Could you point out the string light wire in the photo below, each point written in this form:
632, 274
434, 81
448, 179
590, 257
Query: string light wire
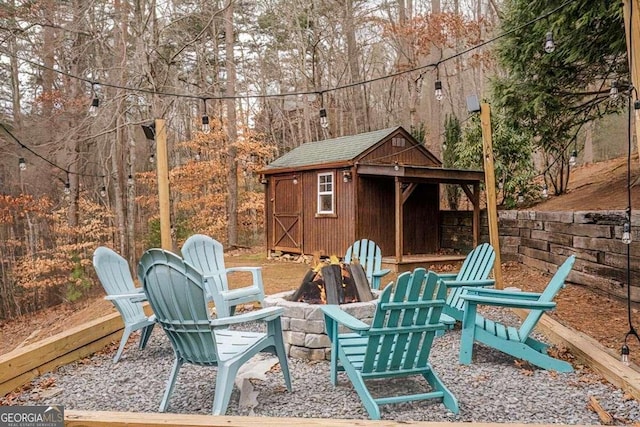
94, 82
35, 153
297, 93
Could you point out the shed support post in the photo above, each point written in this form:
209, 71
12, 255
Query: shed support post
476, 214
399, 215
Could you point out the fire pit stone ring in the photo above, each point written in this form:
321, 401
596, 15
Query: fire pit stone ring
303, 327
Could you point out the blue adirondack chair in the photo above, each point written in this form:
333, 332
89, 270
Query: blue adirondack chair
397, 344
474, 272
115, 276
516, 342
369, 255
207, 255
176, 292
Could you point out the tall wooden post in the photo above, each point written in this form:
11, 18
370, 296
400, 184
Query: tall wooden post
399, 222
490, 189
163, 184
632, 28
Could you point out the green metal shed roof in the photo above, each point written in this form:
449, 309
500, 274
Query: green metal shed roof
333, 150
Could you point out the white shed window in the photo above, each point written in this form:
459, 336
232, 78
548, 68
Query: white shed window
325, 193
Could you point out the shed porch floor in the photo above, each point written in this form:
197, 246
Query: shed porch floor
409, 262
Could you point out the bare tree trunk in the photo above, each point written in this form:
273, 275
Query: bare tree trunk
15, 73
127, 230
434, 107
357, 95
232, 131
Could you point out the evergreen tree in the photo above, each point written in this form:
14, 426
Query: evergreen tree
548, 94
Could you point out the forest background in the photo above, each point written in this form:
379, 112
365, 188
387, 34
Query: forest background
241, 82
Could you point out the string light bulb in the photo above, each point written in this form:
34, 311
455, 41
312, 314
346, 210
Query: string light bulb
549, 44
95, 104
624, 354
438, 90
22, 164
67, 188
295, 179
130, 180
198, 156
573, 158
545, 192
206, 128
520, 198
614, 93
626, 233
324, 121
152, 158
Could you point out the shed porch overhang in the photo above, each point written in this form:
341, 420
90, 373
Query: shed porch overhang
423, 173
469, 181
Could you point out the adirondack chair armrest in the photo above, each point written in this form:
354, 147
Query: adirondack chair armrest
137, 295
447, 276
382, 272
256, 273
251, 269
508, 302
264, 314
344, 318
502, 293
472, 283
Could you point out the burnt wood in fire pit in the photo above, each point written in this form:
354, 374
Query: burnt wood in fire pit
334, 284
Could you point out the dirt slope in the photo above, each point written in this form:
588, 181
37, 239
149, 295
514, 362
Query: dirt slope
599, 186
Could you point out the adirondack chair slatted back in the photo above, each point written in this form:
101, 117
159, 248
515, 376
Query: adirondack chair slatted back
115, 276
175, 292
555, 284
476, 266
404, 325
368, 254
207, 255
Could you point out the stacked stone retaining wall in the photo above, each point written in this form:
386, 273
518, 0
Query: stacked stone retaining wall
543, 240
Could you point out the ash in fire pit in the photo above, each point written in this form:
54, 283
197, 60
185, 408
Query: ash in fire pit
334, 284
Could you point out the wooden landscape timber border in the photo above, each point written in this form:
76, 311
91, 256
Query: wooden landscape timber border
131, 419
22, 365
590, 353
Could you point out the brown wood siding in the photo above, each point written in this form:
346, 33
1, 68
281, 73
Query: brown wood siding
421, 219
328, 234
376, 214
387, 153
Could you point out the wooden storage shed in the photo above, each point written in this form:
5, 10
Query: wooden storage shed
382, 185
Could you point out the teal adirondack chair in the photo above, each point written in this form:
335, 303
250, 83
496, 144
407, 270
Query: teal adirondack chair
207, 255
397, 344
176, 292
516, 342
369, 255
474, 272
115, 276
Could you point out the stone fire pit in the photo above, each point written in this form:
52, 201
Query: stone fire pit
305, 336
